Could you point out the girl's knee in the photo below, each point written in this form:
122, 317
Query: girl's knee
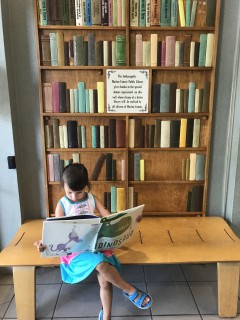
102, 267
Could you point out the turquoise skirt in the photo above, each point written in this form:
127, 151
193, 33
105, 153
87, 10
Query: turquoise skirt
77, 267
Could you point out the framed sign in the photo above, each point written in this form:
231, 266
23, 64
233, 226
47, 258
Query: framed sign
127, 90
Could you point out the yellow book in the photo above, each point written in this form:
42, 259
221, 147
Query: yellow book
100, 94
209, 50
131, 133
142, 170
154, 44
181, 13
183, 133
192, 170
60, 48
121, 199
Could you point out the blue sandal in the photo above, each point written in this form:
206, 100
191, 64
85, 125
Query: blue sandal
100, 317
138, 302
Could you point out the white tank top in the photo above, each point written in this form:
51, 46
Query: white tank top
86, 206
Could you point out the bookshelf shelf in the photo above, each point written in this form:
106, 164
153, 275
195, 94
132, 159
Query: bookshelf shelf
167, 139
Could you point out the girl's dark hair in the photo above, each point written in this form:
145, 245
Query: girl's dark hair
75, 175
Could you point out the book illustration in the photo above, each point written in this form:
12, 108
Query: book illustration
63, 236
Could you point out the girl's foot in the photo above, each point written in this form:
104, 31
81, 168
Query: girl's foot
141, 299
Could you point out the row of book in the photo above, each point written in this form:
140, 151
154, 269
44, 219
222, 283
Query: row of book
165, 134
195, 199
82, 12
166, 97
55, 51
171, 52
136, 167
72, 135
115, 199
111, 168
113, 12
171, 12
57, 98
55, 165
193, 168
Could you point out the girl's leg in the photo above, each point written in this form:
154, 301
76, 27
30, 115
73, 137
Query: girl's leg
110, 274
106, 296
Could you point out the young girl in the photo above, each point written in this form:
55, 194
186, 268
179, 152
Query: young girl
78, 266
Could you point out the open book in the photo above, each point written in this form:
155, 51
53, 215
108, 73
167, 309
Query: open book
67, 235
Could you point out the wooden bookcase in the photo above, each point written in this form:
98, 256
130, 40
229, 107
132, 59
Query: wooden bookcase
163, 191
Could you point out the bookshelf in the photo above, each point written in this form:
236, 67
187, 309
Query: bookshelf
168, 188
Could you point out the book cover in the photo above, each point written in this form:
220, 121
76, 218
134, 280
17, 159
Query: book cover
47, 97
174, 13
165, 134
121, 51
155, 6
165, 15
72, 134
200, 167
45, 52
170, 51
64, 236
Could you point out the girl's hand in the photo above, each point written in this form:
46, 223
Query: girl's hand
40, 246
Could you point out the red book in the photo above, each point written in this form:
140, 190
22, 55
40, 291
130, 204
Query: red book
120, 133
56, 96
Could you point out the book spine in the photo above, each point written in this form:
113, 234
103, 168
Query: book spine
104, 18
124, 13
193, 13
174, 13
109, 167
81, 97
110, 12
121, 199
96, 12
53, 48
83, 134
142, 13
100, 93
142, 170
170, 51
165, 19
137, 158
165, 134
155, 12
88, 13
153, 50
148, 13
202, 50
72, 134
181, 13
191, 97
209, 49
183, 133
121, 50
188, 12
78, 12
113, 199
164, 97
200, 167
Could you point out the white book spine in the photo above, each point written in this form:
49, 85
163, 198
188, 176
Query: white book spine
209, 49
78, 12
196, 108
91, 100
177, 53
178, 93
72, 108
61, 137
196, 133
123, 172
165, 134
76, 157
102, 137
192, 51
113, 53
65, 136
105, 53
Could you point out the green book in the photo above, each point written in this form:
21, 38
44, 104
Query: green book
121, 51
44, 13
113, 199
202, 50
191, 97
174, 13
188, 12
200, 166
87, 100
94, 136
83, 134
65, 13
81, 97
193, 13
78, 48
165, 19
115, 13
53, 48
142, 13
137, 158
76, 107
164, 97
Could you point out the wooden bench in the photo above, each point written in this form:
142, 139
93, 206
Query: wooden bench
157, 241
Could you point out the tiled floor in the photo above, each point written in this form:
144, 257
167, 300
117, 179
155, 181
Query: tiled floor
181, 292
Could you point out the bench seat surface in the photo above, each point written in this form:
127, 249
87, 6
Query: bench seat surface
157, 240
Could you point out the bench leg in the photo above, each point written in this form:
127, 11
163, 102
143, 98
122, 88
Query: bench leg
24, 288
228, 278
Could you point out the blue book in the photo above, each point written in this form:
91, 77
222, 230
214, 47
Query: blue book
81, 97
75, 91
191, 96
88, 13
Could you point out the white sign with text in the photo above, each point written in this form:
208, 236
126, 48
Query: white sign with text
127, 91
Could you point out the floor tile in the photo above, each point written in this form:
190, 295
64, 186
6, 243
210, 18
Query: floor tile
132, 318
166, 272
6, 296
6, 279
217, 318
200, 272
205, 295
184, 317
78, 300
172, 298
46, 297
132, 273
48, 275
123, 307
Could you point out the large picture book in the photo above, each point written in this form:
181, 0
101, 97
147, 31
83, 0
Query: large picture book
66, 235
